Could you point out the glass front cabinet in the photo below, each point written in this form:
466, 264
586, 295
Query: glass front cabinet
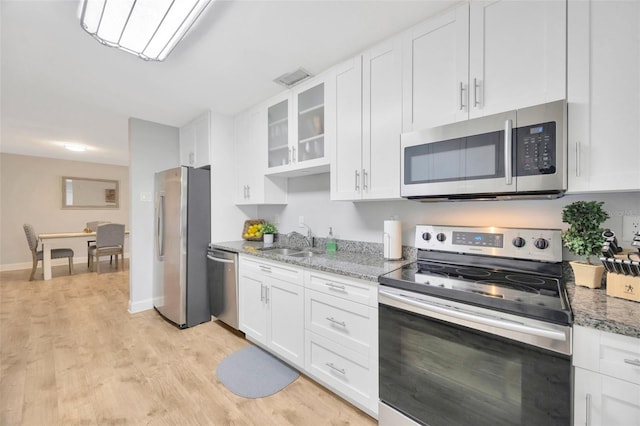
296, 130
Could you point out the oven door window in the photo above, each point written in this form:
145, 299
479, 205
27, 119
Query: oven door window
443, 374
471, 158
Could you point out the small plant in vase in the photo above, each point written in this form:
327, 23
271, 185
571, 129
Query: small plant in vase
268, 230
584, 238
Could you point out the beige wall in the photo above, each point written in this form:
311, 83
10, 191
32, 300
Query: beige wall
30, 192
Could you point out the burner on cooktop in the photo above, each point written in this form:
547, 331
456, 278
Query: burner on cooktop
473, 272
510, 286
525, 279
431, 267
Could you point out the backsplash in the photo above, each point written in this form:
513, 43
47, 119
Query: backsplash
295, 239
309, 196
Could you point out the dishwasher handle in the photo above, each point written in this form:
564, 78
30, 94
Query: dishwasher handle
219, 259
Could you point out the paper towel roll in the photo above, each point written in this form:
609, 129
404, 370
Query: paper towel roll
392, 240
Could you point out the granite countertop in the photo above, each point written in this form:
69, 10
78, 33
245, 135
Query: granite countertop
366, 264
591, 307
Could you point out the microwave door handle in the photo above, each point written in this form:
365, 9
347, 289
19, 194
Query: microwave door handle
508, 151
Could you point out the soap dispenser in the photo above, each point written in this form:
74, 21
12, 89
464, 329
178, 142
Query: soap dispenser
331, 245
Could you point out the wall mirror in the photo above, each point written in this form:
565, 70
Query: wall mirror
86, 193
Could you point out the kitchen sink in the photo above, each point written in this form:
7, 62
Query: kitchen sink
305, 253
284, 251
290, 251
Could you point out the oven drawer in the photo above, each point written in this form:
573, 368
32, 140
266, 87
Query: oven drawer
348, 373
351, 324
365, 292
607, 353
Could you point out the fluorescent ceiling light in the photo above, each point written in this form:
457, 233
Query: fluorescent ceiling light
149, 29
75, 147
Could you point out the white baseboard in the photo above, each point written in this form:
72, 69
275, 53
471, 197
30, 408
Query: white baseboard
54, 262
142, 305
29, 265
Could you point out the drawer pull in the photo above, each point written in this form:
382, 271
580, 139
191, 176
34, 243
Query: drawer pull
335, 321
264, 268
333, 286
635, 362
334, 368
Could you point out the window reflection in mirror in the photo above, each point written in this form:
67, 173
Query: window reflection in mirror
86, 193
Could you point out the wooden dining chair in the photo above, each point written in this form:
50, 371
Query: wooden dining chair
56, 253
109, 242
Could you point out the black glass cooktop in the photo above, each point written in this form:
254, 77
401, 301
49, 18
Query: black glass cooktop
531, 295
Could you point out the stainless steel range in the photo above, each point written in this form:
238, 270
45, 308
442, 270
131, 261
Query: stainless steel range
477, 330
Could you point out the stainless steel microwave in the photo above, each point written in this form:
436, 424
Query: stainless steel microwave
516, 154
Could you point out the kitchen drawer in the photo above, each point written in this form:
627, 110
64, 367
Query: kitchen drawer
277, 270
607, 353
351, 324
346, 372
365, 292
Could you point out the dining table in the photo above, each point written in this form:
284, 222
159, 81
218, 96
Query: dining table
47, 242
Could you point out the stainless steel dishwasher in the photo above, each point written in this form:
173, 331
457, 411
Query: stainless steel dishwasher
222, 277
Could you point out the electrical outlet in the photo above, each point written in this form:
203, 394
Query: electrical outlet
276, 219
630, 225
301, 221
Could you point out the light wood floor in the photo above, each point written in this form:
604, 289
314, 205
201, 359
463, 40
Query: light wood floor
71, 354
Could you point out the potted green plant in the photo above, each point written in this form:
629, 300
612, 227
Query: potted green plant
584, 238
268, 230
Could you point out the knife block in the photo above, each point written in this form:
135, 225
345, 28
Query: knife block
623, 286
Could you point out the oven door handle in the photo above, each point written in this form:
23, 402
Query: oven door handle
474, 318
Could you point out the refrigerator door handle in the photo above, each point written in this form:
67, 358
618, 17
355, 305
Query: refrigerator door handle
160, 227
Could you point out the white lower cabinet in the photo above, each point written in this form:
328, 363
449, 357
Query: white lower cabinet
607, 378
346, 372
324, 324
271, 307
341, 337
604, 400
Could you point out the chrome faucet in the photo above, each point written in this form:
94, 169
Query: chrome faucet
309, 238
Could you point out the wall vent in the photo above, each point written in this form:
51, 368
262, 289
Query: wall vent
292, 78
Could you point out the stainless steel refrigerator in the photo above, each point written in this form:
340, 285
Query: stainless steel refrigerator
182, 229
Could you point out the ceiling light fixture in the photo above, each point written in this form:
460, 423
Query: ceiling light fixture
75, 147
149, 29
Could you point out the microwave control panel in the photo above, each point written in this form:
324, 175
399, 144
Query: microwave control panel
536, 149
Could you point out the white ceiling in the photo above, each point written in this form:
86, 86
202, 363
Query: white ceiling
58, 84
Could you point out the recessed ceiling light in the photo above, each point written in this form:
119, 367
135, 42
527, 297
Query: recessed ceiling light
75, 147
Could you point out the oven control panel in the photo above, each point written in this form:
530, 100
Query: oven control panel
520, 243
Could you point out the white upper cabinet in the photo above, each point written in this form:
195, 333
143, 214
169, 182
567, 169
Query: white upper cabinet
482, 58
296, 131
252, 186
436, 71
604, 95
517, 54
347, 162
368, 111
195, 140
